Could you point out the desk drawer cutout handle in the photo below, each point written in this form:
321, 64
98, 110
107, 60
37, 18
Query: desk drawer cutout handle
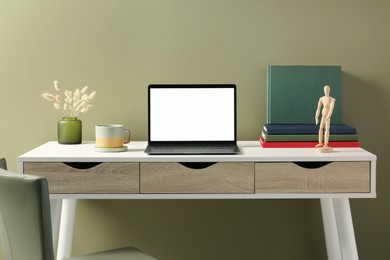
197, 165
311, 165
82, 165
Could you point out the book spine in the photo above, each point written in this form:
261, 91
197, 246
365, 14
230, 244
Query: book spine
265, 144
307, 137
306, 129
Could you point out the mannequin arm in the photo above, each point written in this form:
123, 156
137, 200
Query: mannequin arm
318, 111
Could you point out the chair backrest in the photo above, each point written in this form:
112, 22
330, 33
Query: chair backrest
25, 224
3, 163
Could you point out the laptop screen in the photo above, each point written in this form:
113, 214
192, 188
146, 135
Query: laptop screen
192, 113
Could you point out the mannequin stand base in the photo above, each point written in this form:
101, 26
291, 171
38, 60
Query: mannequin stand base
324, 149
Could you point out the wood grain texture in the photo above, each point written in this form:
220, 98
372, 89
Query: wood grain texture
334, 177
102, 178
177, 178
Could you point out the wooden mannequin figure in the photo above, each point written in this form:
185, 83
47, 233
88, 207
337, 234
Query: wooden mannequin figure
327, 102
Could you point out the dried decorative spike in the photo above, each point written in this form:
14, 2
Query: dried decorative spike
48, 96
57, 86
84, 90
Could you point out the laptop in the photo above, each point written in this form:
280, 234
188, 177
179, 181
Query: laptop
192, 119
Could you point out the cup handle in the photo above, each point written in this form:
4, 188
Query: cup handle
127, 140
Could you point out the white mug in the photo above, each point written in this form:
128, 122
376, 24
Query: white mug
111, 135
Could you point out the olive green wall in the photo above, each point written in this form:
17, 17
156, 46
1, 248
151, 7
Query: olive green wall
119, 47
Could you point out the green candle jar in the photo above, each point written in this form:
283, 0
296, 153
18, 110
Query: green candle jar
69, 130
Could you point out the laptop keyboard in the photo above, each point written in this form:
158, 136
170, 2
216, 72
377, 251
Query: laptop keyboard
194, 146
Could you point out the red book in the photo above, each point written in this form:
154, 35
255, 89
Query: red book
346, 144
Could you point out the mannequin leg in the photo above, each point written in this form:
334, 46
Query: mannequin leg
327, 127
320, 134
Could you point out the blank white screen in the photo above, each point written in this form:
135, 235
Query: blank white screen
192, 114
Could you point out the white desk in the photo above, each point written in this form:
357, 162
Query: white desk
78, 172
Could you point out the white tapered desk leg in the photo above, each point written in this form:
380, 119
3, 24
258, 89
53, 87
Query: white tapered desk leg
55, 212
66, 228
345, 227
330, 229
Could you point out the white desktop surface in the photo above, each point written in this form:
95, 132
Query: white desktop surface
250, 151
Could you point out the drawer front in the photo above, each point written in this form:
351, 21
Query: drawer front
335, 177
87, 178
197, 178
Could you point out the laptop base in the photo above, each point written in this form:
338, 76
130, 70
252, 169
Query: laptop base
180, 150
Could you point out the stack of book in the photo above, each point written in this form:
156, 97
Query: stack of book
306, 136
293, 92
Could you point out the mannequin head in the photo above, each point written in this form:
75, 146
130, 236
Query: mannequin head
327, 90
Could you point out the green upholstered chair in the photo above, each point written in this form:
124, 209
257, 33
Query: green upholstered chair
25, 224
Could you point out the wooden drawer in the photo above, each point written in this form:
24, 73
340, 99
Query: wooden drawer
314, 177
197, 177
87, 178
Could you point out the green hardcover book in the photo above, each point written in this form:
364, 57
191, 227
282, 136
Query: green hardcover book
293, 92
